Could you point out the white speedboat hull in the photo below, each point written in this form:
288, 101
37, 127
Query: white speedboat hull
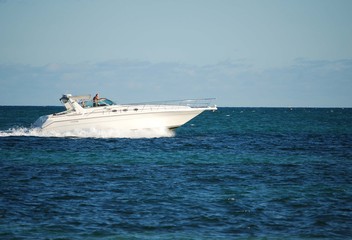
132, 121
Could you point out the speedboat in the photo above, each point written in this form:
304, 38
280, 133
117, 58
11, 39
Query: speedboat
82, 113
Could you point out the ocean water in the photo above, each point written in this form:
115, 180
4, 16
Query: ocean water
237, 173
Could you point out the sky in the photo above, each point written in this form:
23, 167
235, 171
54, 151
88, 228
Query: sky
244, 53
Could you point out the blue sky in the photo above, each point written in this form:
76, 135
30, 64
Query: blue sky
244, 53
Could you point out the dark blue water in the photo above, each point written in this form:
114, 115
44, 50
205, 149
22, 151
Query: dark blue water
235, 173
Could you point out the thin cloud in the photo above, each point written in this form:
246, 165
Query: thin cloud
233, 83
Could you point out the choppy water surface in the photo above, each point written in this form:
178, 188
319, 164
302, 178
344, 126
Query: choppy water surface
234, 173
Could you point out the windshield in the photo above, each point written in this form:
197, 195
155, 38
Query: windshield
101, 102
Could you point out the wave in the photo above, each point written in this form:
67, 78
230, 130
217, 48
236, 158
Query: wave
89, 133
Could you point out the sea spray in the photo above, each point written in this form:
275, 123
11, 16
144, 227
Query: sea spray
89, 133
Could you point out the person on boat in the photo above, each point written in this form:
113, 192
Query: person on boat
96, 100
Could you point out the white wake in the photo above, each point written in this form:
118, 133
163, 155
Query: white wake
89, 133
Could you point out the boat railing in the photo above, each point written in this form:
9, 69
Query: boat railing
173, 104
204, 103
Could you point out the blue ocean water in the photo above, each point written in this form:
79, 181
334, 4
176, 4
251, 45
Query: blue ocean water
275, 173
